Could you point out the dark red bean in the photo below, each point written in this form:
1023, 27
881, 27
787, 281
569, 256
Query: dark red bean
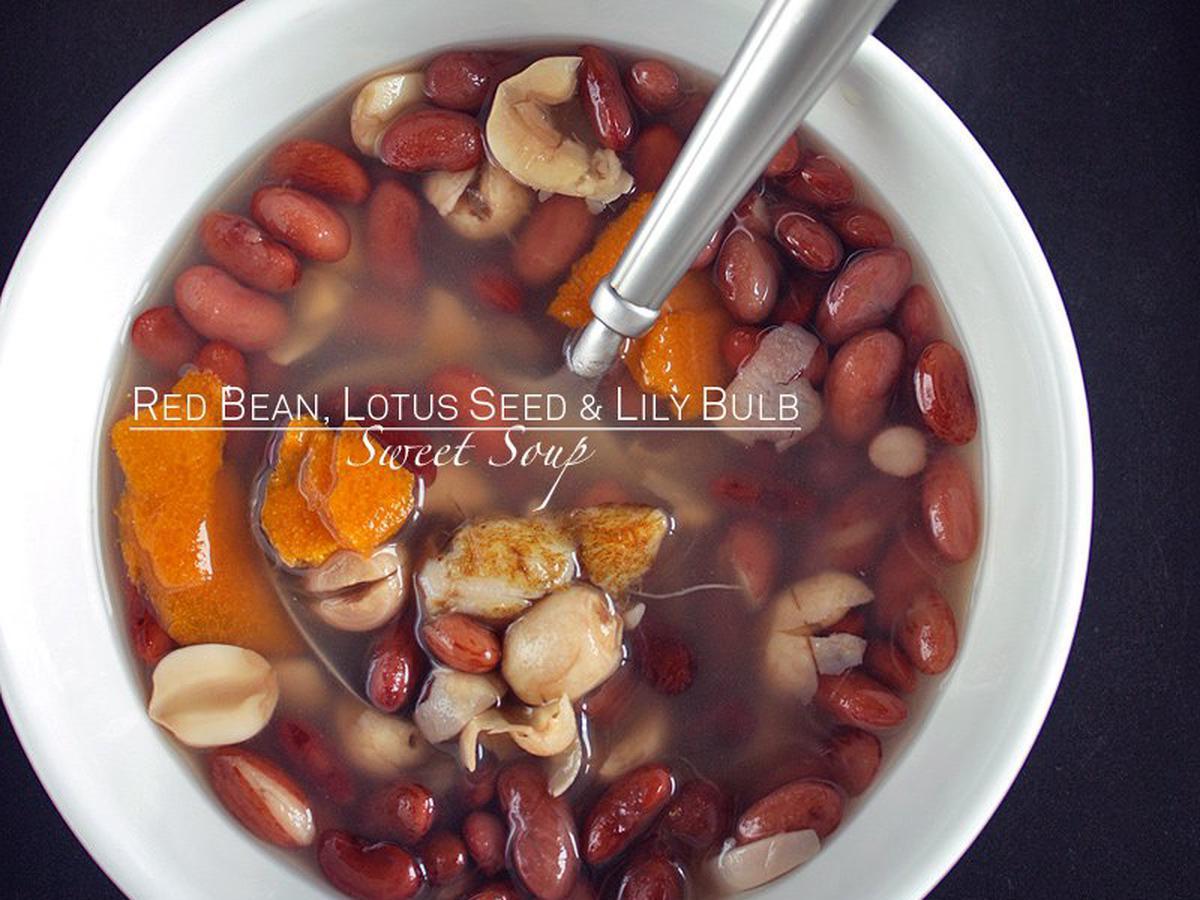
654, 153
786, 159
853, 698
808, 241
821, 182
697, 816
949, 508
862, 376
799, 298
221, 309
864, 293
485, 837
321, 169
652, 877
162, 336
403, 812
747, 276
310, 753
497, 288
654, 86
246, 252
860, 227
445, 858
392, 223
798, 806
368, 871
705, 257
459, 80
928, 633
854, 757
428, 140
604, 99
624, 811
395, 667
739, 344
224, 361
885, 661
555, 234
943, 393
916, 320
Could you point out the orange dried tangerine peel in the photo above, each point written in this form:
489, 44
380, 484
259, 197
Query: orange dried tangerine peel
290, 522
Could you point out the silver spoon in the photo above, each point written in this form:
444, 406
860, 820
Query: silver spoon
792, 53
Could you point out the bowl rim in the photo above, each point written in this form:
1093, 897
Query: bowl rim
37, 735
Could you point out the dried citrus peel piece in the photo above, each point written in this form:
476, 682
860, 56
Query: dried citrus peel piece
327, 492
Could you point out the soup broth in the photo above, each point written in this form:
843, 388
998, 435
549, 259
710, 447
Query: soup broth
756, 535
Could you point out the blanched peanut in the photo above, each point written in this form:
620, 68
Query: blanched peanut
208, 695
379, 745
899, 451
752, 865
568, 643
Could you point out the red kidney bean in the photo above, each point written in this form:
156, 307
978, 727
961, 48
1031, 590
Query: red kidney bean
459, 80
496, 890
395, 668
859, 386
261, 796
705, 257
542, 843
860, 227
402, 812
885, 661
916, 320
928, 633
853, 698
821, 182
310, 752
428, 140
807, 803
654, 152
654, 86
685, 116
445, 858
555, 234
943, 393
853, 622
162, 336
224, 361
747, 276
739, 344
864, 293
223, 310
604, 99
496, 288
910, 565
246, 252
609, 701
485, 836
393, 220
652, 877
461, 643
779, 499
854, 756
309, 226
697, 816
320, 169
860, 521
368, 871
624, 811
949, 508
752, 549
150, 640
799, 298
786, 159
809, 242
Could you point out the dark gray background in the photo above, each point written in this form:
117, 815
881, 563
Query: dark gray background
1089, 108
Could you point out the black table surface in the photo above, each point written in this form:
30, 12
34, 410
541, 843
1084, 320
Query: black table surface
1089, 109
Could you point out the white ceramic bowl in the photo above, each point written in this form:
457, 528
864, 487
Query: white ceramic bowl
67, 676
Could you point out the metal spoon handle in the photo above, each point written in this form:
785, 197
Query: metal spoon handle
792, 53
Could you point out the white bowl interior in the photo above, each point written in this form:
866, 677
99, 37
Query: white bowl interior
64, 663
